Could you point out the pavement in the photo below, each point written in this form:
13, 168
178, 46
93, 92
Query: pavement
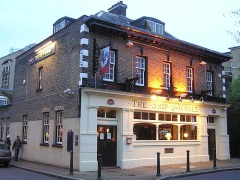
140, 173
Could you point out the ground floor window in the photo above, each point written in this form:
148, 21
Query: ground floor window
25, 127
164, 126
45, 127
59, 127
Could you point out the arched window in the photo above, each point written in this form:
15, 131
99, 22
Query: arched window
167, 130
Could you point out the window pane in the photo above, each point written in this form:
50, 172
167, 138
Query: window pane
137, 115
144, 131
188, 132
174, 117
188, 118
152, 116
182, 118
161, 117
144, 115
110, 113
100, 112
168, 117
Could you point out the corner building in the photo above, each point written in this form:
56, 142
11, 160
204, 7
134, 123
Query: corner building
126, 88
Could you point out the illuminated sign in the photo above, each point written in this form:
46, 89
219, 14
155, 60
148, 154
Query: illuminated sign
42, 52
166, 107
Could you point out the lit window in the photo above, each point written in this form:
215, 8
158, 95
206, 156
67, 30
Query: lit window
140, 70
109, 76
189, 79
144, 131
59, 127
188, 132
209, 83
40, 76
154, 27
25, 127
106, 113
45, 127
166, 75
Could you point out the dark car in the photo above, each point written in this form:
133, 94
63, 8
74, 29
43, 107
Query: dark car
5, 155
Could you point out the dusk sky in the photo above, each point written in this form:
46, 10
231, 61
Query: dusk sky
24, 22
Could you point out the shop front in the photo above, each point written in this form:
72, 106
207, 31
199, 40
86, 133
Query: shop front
129, 129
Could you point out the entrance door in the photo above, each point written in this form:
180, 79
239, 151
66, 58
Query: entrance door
211, 142
107, 145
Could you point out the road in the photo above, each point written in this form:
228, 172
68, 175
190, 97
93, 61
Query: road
221, 175
12, 173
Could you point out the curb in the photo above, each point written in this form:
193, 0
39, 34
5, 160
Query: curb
46, 173
198, 173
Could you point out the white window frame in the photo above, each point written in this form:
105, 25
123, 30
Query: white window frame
109, 76
140, 70
155, 27
189, 74
59, 127
25, 127
46, 127
209, 79
40, 78
166, 75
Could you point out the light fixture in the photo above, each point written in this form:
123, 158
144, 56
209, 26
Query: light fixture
225, 109
202, 100
203, 63
185, 135
168, 136
183, 95
43, 46
191, 99
167, 97
154, 97
129, 44
180, 98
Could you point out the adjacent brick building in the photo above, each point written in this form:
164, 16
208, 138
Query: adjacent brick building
124, 87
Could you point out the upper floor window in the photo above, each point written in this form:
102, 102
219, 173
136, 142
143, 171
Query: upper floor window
106, 113
40, 78
6, 70
209, 83
154, 27
140, 70
109, 76
189, 79
25, 127
59, 26
166, 75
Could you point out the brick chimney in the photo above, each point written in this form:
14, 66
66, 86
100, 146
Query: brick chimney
119, 9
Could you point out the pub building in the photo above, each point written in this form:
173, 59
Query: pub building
127, 89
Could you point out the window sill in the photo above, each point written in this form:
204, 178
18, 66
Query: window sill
57, 145
44, 144
38, 90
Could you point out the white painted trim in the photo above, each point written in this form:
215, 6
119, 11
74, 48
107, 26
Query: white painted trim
82, 75
84, 41
84, 28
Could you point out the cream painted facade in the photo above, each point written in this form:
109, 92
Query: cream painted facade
134, 154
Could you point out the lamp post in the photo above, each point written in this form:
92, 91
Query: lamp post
205, 74
130, 44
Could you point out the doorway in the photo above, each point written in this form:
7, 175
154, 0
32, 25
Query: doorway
107, 144
211, 142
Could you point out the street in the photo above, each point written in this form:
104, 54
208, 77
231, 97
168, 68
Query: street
222, 175
20, 174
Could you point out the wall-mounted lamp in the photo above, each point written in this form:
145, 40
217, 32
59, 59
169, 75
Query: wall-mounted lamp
129, 44
180, 98
167, 97
191, 99
69, 91
203, 63
225, 109
202, 100
128, 140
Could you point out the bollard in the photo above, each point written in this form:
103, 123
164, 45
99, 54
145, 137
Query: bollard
99, 167
214, 159
188, 165
158, 164
71, 163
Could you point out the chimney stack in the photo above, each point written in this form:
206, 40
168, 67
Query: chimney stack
119, 9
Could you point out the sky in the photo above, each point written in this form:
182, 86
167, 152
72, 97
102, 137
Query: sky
201, 22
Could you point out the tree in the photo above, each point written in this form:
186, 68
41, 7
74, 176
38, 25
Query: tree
233, 116
235, 33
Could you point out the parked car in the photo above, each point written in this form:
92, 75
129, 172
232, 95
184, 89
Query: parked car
5, 155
